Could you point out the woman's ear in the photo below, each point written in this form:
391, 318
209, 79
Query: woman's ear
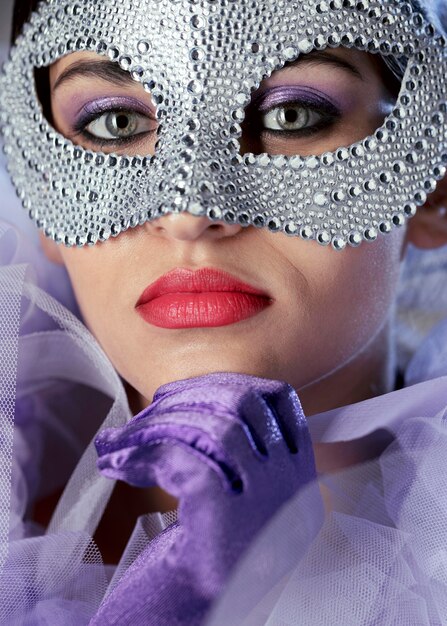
51, 249
428, 228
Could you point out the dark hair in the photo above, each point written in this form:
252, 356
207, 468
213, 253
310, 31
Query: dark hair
21, 14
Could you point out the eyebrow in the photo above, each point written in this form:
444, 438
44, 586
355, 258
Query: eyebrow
104, 70
113, 73
317, 57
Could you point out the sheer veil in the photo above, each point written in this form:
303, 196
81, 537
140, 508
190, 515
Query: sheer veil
380, 556
57, 387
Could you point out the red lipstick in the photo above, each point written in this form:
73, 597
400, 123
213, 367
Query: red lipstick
203, 298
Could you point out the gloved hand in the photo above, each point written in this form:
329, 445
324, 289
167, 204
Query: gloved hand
232, 448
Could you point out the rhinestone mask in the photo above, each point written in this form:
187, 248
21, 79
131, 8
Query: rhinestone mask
201, 60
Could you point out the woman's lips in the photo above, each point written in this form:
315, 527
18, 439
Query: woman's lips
203, 298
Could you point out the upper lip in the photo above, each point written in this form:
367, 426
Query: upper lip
206, 279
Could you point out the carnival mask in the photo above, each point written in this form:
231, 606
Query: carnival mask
201, 60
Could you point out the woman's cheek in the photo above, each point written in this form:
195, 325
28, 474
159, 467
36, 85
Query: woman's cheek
363, 290
350, 297
93, 278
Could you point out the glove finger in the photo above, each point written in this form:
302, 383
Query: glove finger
213, 409
198, 384
295, 429
227, 396
144, 456
237, 394
275, 417
288, 413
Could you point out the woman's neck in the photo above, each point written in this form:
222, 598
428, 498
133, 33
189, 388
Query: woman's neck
372, 373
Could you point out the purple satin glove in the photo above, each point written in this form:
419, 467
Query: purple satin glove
233, 449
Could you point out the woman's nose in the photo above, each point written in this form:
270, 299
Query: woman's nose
187, 227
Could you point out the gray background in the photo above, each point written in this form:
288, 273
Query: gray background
10, 209
5, 25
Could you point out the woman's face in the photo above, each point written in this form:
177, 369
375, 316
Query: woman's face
322, 308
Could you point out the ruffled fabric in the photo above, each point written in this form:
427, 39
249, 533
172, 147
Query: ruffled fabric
380, 558
57, 390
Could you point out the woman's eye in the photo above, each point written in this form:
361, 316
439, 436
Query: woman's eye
291, 118
120, 125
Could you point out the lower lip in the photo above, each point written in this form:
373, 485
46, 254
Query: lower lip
201, 310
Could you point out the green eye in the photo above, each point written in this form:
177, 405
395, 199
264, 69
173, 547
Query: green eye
119, 125
290, 118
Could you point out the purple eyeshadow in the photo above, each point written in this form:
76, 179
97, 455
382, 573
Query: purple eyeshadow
278, 96
95, 108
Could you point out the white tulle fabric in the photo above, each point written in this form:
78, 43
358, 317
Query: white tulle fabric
380, 558
381, 555
57, 388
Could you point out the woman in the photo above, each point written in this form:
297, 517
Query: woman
244, 126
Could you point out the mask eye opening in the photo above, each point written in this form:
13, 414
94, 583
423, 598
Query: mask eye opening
393, 71
42, 82
391, 68
139, 117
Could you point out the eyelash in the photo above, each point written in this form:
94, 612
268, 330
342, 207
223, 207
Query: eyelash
331, 115
329, 112
79, 129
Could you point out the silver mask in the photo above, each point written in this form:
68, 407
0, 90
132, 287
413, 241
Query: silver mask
201, 60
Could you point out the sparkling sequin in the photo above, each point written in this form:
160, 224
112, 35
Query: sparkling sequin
201, 60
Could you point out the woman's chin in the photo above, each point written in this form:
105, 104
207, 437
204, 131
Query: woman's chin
147, 386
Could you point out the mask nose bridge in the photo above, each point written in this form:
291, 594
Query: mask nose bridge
200, 166
197, 185
198, 154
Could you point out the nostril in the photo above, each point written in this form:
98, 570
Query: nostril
159, 229
183, 226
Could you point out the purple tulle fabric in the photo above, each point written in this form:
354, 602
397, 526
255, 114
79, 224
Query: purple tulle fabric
376, 558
